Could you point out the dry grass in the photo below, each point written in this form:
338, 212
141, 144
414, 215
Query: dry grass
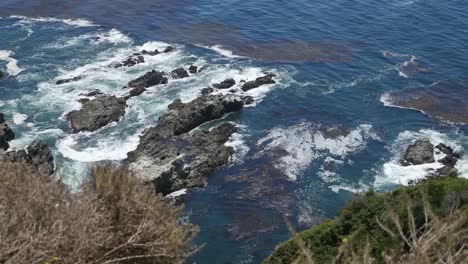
114, 219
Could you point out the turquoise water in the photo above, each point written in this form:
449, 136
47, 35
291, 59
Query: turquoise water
336, 61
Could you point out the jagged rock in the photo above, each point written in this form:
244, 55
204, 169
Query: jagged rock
193, 69
171, 158
207, 90
149, 79
135, 92
37, 159
151, 53
267, 79
226, 84
451, 157
183, 117
97, 113
420, 152
183, 161
91, 93
6, 134
168, 49
131, 61
179, 73
73, 79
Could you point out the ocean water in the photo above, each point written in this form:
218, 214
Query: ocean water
326, 130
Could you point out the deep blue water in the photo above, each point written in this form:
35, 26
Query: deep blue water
335, 62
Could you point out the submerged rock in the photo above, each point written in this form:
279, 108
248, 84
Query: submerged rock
207, 90
420, 152
97, 113
91, 93
73, 79
267, 79
37, 158
6, 134
226, 84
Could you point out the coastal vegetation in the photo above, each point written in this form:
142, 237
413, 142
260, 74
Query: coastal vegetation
112, 218
426, 222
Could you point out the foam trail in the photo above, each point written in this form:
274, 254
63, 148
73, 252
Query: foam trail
19, 119
79, 22
224, 52
12, 66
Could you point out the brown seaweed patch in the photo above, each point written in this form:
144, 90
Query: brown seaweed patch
287, 50
413, 67
446, 103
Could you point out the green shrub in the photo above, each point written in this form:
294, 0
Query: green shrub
382, 226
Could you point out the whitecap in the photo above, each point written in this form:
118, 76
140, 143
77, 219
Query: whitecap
237, 142
12, 66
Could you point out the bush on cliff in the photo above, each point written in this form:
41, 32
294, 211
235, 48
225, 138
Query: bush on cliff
113, 219
423, 223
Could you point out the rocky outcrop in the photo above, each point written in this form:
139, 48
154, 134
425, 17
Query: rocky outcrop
179, 73
449, 161
423, 152
6, 134
68, 80
267, 79
92, 93
183, 117
97, 113
183, 161
193, 69
172, 158
420, 152
37, 158
137, 58
226, 84
149, 79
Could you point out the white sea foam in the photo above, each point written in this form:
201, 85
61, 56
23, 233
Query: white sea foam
177, 193
305, 142
12, 66
79, 22
221, 50
19, 119
394, 173
237, 142
108, 148
112, 36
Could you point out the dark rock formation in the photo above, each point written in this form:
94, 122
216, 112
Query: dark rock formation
179, 73
207, 90
131, 61
151, 53
226, 84
37, 158
193, 69
73, 79
172, 158
184, 161
97, 113
183, 117
91, 93
420, 152
449, 161
168, 49
149, 79
6, 134
267, 79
